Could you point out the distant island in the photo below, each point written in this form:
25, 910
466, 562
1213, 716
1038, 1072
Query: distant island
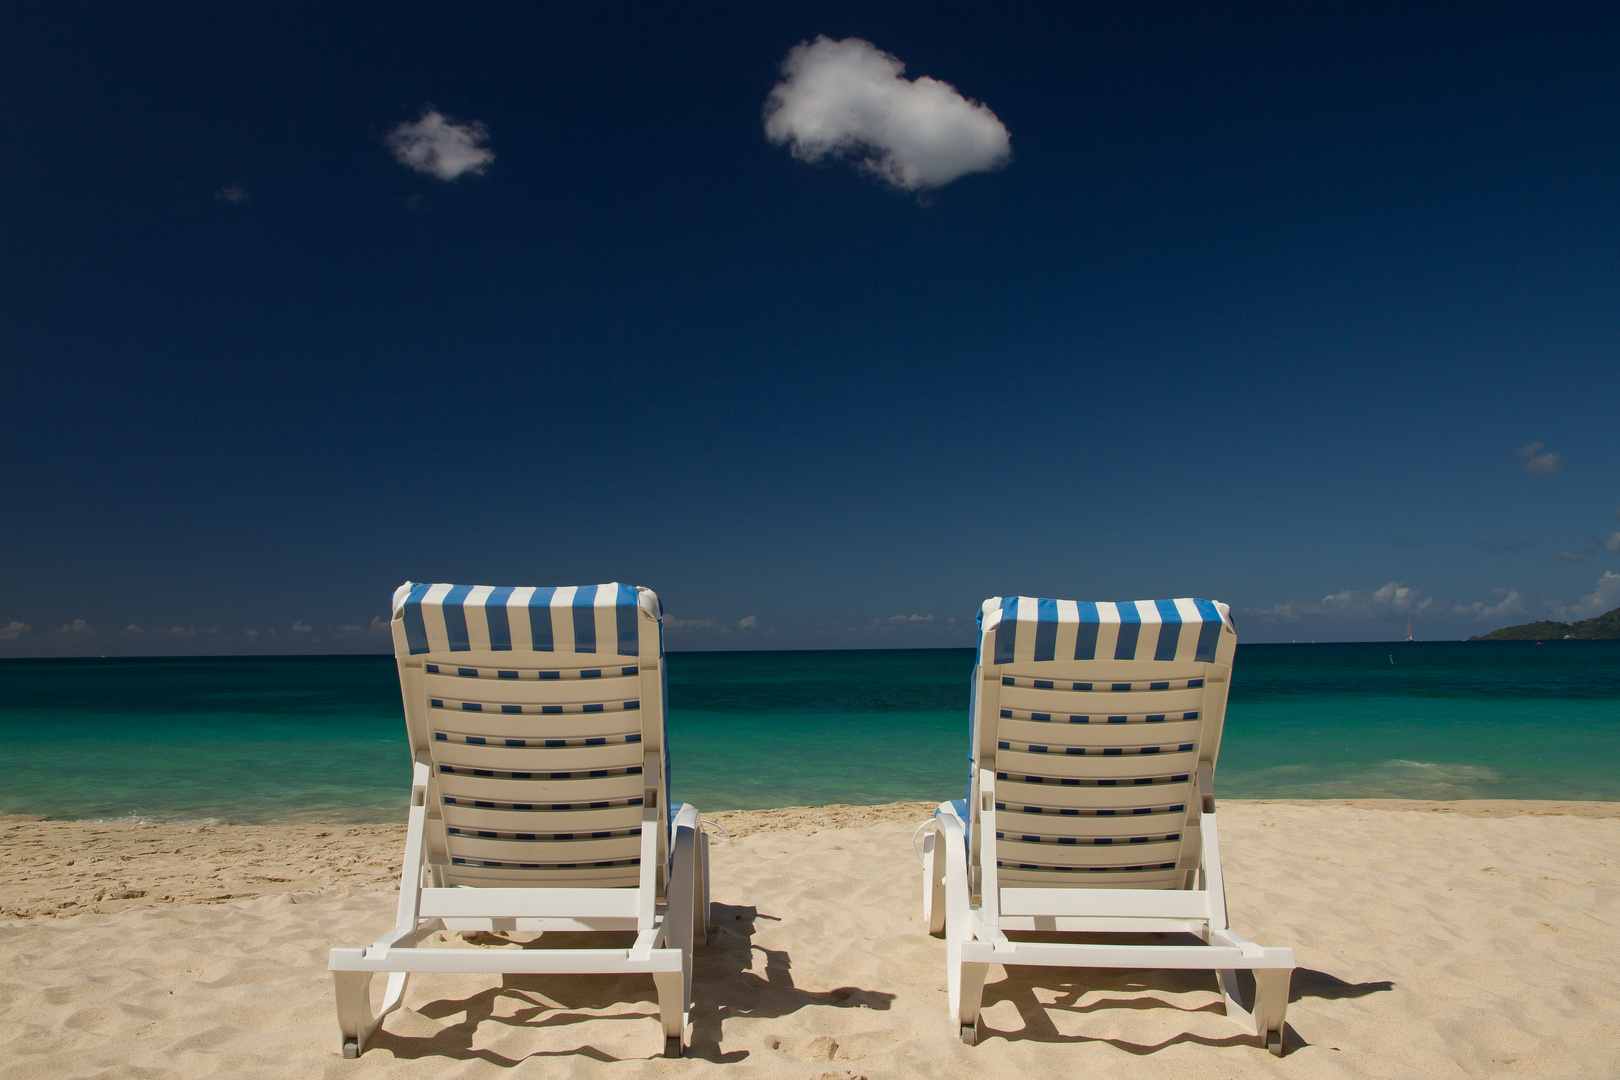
1603, 628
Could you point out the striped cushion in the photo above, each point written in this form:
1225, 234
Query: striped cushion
1017, 629
600, 619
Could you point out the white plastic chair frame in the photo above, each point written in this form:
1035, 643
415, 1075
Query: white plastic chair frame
661, 893
965, 899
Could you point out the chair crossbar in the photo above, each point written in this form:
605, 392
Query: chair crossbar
1122, 903
528, 903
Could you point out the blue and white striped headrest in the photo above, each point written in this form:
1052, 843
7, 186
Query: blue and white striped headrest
1024, 628
599, 619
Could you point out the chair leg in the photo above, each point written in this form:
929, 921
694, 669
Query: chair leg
672, 1010
970, 995
1270, 1007
352, 989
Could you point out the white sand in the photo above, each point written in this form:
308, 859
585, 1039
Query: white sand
1435, 939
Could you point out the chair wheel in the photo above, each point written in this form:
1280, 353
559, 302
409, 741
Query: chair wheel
672, 1048
1274, 1042
970, 1034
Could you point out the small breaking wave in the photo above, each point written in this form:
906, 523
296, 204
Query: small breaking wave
1395, 778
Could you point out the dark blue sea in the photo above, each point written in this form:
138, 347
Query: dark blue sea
322, 738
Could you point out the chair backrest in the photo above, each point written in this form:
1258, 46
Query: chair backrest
1095, 720
541, 712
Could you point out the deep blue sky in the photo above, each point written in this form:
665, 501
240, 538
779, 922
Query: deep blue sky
1260, 310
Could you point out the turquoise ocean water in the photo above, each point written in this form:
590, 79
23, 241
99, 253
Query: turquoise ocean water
322, 738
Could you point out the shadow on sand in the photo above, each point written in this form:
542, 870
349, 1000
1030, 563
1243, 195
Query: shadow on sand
1161, 988
725, 984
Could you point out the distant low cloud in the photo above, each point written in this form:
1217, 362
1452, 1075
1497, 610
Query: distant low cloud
438, 146
1612, 544
691, 624
1605, 598
750, 623
14, 629
252, 633
1490, 547
1354, 605
1512, 603
1537, 463
77, 626
1574, 556
910, 618
232, 195
133, 630
299, 626
849, 99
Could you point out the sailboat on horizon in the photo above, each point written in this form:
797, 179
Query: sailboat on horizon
1409, 637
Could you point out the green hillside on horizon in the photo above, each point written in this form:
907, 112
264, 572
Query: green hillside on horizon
1605, 627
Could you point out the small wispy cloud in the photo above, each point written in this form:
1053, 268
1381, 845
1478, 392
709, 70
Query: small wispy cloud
299, 626
77, 626
252, 633
1512, 603
850, 99
438, 146
1353, 605
14, 629
1537, 463
232, 194
1574, 556
132, 630
750, 623
691, 624
910, 618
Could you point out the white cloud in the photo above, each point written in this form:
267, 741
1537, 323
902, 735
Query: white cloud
910, 618
301, 627
1603, 599
77, 626
1512, 603
232, 194
438, 146
1612, 544
1574, 556
379, 623
1544, 465
1353, 604
14, 629
848, 98
1536, 463
174, 631
750, 623
252, 633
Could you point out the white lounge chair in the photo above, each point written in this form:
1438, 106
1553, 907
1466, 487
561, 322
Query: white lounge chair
1092, 802
540, 795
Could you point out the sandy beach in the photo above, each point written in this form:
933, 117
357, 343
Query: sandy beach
1466, 939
